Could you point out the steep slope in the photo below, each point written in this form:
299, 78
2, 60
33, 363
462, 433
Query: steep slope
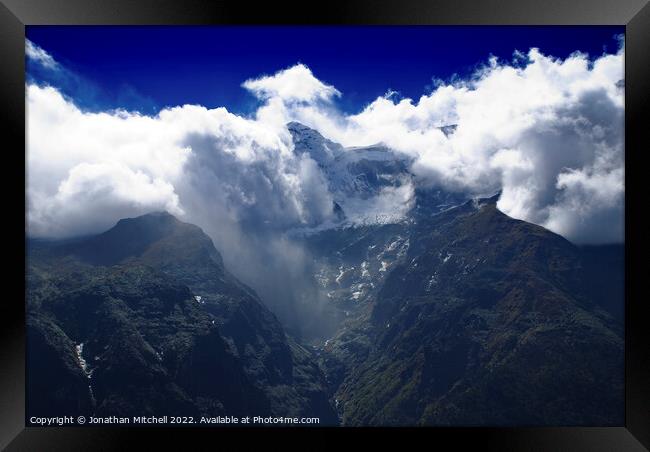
485, 321
136, 338
353, 254
206, 322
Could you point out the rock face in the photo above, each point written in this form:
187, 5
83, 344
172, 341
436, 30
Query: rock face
481, 320
144, 319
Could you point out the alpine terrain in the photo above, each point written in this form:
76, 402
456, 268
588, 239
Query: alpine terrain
444, 312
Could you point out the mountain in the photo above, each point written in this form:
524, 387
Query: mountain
455, 313
357, 175
353, 254
476, 319
353, 174
144, 318
448, 312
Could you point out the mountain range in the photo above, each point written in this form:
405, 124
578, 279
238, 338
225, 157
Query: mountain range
449, 313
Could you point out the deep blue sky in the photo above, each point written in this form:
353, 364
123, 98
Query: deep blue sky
148, 67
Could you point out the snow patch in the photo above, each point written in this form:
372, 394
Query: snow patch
340, 275
393, 245
364, 270
79, 349
432, 281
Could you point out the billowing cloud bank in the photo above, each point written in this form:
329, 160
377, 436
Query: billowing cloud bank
547, 132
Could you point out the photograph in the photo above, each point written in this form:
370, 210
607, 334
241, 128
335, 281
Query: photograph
325, 226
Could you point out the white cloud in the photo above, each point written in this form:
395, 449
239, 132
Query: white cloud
590, 205
93, 194
548, 132
294, 84
520, 128
36, 53
94, 162
391, 204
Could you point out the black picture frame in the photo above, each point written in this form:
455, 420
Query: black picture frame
633, 14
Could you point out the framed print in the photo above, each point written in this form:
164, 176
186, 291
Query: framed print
411, 218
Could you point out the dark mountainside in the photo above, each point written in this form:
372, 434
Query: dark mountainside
164, 327
453, 315
480, 320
